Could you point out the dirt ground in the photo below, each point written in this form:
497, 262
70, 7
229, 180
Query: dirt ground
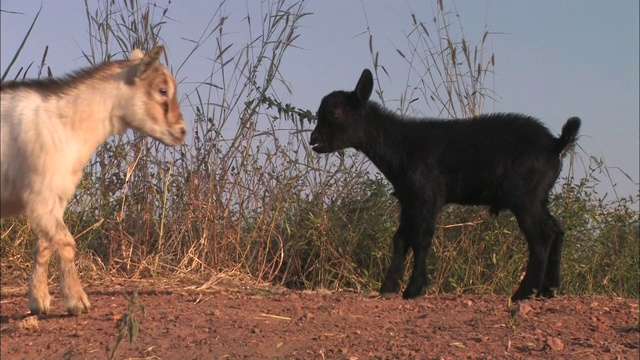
263, 323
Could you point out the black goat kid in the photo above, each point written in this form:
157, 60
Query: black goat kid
505, 161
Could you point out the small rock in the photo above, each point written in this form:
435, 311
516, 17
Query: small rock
406, 353
524, 308
309, 316
480, 339
255, 331
555, 344
30, 322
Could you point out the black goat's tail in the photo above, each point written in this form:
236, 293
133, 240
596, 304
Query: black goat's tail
568, 136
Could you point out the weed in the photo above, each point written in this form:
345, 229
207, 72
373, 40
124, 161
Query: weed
128, 325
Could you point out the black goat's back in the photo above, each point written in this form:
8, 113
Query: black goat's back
485, 160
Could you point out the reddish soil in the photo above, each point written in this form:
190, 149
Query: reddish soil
260, 324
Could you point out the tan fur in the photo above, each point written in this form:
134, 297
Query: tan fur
136, 55
49, 130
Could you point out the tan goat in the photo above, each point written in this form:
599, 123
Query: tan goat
48, 131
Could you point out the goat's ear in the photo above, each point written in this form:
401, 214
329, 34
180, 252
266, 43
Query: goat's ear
145, 61
364, 86
136, 55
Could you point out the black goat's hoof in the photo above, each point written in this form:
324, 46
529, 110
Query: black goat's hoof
546, 293
412, 294
388, 295
387, 290
519, 296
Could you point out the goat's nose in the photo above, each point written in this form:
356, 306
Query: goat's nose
313, 139
183, 131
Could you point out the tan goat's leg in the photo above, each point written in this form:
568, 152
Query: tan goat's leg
39, 299
75, 299
53, 235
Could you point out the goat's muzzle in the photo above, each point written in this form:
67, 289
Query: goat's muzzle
317, 145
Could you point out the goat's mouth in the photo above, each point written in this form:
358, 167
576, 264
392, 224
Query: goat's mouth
177, 138
169, 138
320, 147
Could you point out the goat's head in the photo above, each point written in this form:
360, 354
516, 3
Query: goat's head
340, 117
152, 106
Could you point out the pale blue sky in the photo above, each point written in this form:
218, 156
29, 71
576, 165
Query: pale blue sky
554, 59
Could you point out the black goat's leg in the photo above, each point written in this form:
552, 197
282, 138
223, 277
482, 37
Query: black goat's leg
421, 239
552, 273
391, 284
537, 231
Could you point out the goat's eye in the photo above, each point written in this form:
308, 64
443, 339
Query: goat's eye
163, 92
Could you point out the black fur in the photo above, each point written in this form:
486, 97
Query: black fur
505, 161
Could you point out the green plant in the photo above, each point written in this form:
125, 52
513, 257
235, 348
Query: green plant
128, 325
